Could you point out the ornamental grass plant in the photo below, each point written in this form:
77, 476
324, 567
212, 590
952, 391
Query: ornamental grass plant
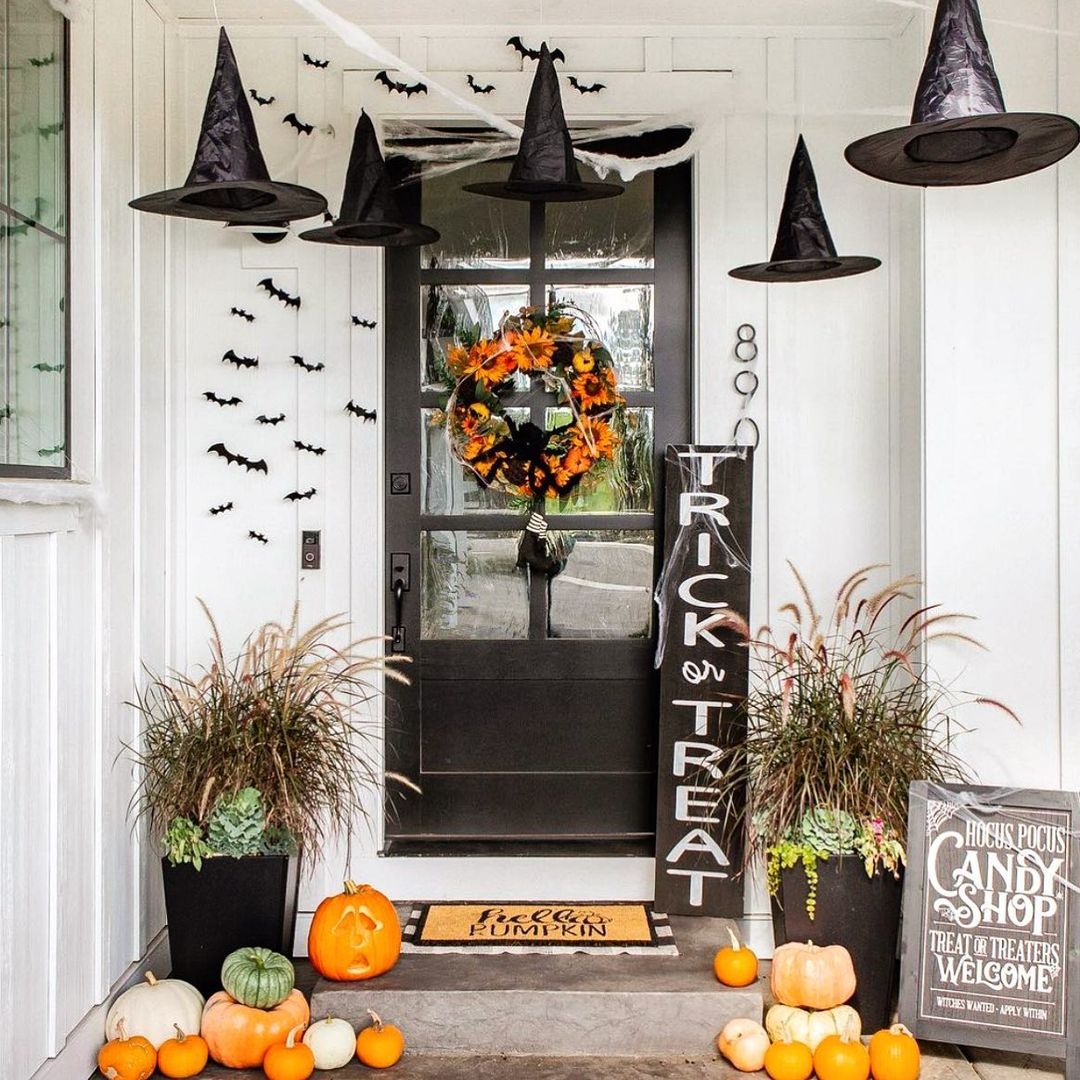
265, 753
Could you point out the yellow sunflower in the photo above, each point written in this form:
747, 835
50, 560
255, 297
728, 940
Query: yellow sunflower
596, 437
488, 362
532, 349
595, 389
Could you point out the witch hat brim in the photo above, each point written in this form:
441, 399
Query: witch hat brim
804, 248
229, 180
960, 132
544, 169
370, 215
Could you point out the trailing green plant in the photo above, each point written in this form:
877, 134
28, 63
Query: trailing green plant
269, 751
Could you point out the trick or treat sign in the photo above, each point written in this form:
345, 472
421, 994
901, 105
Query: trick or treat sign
704, 591
991, 948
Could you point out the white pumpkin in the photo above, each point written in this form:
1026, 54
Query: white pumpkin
332, 1041
155, 1009
785, 1023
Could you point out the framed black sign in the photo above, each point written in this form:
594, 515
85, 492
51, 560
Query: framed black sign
991, 942
703, 677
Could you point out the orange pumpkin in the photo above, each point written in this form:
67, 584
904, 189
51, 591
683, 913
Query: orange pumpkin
381, 1045
183, 1056
354, 935
735, 964
837, 1058
812, 977
127, 1059
289, 1060
894, 1054
238, 1036
789, 1061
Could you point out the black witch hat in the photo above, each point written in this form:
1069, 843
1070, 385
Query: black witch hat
960, 132
804, 249
369, 216
228, 179
544, 169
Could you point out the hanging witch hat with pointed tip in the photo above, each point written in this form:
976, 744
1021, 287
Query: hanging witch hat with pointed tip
229, 180
544, 169
369, 216
804, 249
960, 132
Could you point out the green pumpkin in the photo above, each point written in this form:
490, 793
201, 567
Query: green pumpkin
257, 977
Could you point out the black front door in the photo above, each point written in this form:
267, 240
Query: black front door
532, 714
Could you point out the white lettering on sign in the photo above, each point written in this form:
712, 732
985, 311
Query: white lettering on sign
701, 712
697, 882
693, 810
686, 592
704, 549
703, 503
699, 841
696, 672
701, 626
701, 755
708, 459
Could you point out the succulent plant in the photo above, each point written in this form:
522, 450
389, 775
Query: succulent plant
832, 831
184, 843
237, 825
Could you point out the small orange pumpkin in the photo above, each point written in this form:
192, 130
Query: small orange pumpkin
789, 1061
290, 1060
381, 1045
735, 964
837, 1058
812, 977
127, 1059
894, 1054
354, 935
184, 1056
239, 1035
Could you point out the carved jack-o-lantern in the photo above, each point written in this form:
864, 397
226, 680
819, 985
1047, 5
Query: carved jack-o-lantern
354, 935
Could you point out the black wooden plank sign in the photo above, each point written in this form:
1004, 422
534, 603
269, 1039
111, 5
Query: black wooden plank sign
991, 943
703, 676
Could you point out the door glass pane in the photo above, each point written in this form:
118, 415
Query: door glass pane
451, 314
623, 315
617, 486
605, 591
472, 587
448, 486
606, 233
477, 231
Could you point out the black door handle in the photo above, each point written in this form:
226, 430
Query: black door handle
397, 631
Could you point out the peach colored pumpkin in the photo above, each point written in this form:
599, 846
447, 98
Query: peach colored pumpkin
239, 1036
812, 977
744, 1043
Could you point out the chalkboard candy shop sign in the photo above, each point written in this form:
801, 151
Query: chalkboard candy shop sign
991, 952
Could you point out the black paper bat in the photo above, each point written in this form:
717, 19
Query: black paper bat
367, 324
42, 366
360, 411
294, 122
215, 510
408, 89
240, 313
296, 496
240, 361
261, 100
253, 535
238, 459
299, 361
581, 88
19, 229
51, 451
43, 61
312, 62
48, 130
279, 294
7, 412
533, 54
211, 396
273, 421
318, 451
478, 88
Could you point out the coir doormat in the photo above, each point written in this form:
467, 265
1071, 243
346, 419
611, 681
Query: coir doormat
627, 928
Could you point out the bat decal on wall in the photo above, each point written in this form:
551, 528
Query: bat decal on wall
51, 451
240, 313
223, 508
408, 89
42, 366
533, 54
479, 88
367, 324
48, 130
299, 361
253, 535
279, 294
273, 421
7, 412
43, 61
297, 496
312, 62
238, 459
261, 100
318, 451
222, 401
360, 411
581, 88
231, 357
295, 122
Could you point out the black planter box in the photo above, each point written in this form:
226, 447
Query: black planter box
859, 912
226, 905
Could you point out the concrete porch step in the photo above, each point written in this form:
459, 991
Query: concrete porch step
659, 1007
